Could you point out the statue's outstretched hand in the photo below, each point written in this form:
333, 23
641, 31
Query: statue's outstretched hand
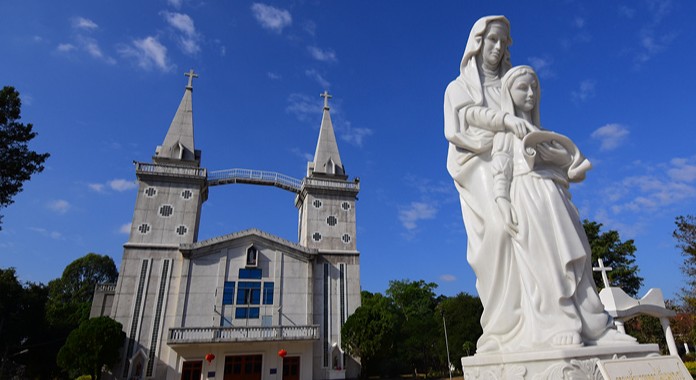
518, 126
509, 216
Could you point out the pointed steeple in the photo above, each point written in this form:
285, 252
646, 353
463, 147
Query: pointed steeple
327, 160
178, 144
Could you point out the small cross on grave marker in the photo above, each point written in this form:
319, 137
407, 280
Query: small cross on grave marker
604, 270
326, 97
191, 75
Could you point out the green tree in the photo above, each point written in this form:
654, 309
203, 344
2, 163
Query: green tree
18, 161
369, 333
686, 242
416, 302
463, 316
92, 346
70, 297
26, 341
617, 254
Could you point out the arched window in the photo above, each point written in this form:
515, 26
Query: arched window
252, 259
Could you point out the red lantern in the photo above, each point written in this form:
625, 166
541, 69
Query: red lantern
282, 353
209, 358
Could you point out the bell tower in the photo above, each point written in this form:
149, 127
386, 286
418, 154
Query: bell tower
171, 191
327, 199
172, 188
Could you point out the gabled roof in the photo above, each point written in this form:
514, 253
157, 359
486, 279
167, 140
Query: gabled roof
204, 247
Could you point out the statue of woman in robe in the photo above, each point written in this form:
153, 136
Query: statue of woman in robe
509, 285
472, 117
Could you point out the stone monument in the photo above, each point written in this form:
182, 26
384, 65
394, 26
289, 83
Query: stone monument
542, 318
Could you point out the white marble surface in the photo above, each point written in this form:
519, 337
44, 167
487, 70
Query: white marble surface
526, 242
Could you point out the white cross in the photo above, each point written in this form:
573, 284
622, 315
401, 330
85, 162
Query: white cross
326, 97
604, 270
191, 75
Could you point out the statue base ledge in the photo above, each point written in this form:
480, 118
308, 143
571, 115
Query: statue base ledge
562, 363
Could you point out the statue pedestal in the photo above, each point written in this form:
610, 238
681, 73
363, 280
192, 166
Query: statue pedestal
567, 363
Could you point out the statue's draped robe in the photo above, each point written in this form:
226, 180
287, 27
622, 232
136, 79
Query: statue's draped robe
540, 283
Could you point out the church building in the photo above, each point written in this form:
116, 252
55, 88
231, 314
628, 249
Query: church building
247, 305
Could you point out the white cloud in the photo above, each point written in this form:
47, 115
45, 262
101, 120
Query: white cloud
415, 212
683, 169
273, 76
542, 66
586, 90
60, 206
662, 186
147, 52
181, 22
271, 18
310, 27
122, 184
303, 107
50, 234
579, 22
125, 228
448, 278
84, 23
610, 136
318, 77
175, 3
65, 48
304, 155
322, 55
189, 40
352, 135
98, 187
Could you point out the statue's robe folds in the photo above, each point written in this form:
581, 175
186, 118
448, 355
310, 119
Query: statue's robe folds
539, 283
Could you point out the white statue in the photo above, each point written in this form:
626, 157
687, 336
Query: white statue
526, 243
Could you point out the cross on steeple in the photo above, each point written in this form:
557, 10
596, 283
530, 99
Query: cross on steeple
604, 270
326, 97
191, 75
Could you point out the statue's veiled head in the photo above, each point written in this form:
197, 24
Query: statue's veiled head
489, 39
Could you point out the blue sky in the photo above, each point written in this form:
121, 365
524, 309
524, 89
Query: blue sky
101, 81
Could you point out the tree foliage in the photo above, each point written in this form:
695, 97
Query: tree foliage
18, 161
70, 297
415, 301
370, 332
462, 314
617, 254
26, 340
90, 347
403, 331
685, 233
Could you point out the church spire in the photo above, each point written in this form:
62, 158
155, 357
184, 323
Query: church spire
327, 160
178, 143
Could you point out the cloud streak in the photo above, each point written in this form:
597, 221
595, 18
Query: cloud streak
611, 136
148, 53
59, 206
271, 18
84, 23
189, 39
411, 215
322, 55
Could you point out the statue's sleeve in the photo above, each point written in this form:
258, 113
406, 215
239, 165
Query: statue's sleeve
468, 125
502, 164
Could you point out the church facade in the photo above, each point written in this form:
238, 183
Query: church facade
247, 305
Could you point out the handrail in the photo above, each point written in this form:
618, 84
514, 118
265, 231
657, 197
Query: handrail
258, 177
190, 335
268, 178
147, 168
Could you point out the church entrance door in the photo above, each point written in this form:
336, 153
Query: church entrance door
243, 367
291, 368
